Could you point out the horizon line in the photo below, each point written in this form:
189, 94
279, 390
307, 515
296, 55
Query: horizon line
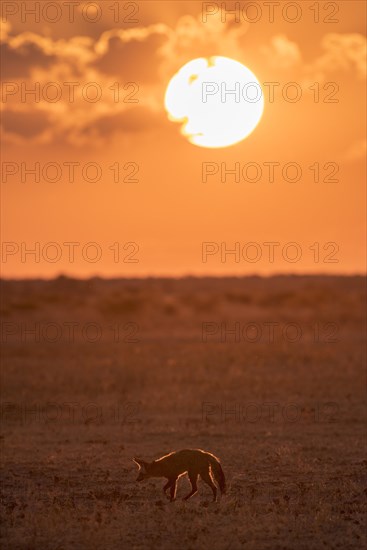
183, 276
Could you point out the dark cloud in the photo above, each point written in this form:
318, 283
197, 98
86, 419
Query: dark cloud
133, 120
27, 125
136, 60
18, 62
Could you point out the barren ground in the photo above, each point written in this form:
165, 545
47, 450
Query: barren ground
281, 405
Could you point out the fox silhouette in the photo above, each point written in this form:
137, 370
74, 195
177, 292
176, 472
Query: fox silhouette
194, 462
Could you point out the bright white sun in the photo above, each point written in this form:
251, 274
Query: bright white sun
218, 101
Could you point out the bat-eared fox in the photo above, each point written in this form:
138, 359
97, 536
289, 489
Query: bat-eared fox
194, 462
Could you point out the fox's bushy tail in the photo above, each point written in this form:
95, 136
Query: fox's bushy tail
218, 474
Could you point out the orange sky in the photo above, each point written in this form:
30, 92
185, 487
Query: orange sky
169, 212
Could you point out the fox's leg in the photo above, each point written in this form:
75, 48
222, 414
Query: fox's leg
194, 487
205, 476
173, 486
167, 485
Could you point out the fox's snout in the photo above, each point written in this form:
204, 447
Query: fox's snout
142, 474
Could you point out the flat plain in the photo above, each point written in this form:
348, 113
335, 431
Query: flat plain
266, 373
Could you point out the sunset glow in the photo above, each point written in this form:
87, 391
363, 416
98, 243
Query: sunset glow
173, 138
183, 258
